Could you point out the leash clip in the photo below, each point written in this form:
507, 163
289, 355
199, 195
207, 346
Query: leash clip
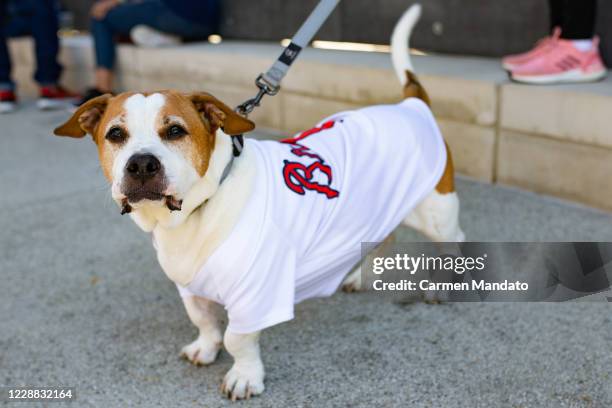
265, 88
245, 108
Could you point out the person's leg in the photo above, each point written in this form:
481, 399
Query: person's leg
39, 19
168, 28
105, 54
579, 16
168, 22
120, 21
511, 62
5, 59
19, 19
575, 56
556, 13
44, 30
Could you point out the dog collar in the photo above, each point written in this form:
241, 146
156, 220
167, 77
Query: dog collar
237, 146
228, 168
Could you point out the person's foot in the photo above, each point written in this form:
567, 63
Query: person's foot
146, 36
55, 97
8, 101
90, 94
563, 63
512, 62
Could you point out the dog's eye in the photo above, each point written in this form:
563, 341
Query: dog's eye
116, 135
175, 132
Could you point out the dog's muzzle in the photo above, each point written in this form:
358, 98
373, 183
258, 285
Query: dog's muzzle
144, 179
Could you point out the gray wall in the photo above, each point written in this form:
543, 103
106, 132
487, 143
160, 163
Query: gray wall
476, 27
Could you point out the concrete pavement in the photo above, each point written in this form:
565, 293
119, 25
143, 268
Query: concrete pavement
83, 303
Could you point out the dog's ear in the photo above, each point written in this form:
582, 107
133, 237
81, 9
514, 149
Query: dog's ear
217, 115
85, 119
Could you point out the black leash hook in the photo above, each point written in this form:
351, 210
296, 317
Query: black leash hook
265, 88
245, 108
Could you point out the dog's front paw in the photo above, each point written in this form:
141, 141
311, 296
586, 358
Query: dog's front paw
243, 382
202, 351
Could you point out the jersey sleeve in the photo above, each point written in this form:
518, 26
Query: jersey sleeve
265, 294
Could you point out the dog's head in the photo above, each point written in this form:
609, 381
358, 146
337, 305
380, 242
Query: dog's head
153, 147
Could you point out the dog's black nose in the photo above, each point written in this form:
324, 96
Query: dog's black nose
142, 166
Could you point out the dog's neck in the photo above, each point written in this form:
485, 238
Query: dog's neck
185, 239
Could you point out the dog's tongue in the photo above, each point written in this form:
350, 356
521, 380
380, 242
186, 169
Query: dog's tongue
173, 204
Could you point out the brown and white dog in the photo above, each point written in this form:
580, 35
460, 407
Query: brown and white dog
166, 155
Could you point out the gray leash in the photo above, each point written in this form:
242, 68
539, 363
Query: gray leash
269, 82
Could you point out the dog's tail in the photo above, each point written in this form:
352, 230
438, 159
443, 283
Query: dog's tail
400, 55
402, 63
400, 40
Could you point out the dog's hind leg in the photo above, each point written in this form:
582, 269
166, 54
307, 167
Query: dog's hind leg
205, 348
353, 282
437, 216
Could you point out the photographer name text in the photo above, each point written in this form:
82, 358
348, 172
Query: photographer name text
456, 264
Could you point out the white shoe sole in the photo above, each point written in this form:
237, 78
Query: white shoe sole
54, 104
509, 67
7, 107
573, 76
148, 37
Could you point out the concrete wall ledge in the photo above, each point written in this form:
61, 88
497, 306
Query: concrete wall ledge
526, 136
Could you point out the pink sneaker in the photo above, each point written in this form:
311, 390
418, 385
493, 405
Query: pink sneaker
512, 62
563, 63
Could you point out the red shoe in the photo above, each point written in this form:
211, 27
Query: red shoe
8, 101
55, 97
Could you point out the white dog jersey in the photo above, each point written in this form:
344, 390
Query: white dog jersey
316, 198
